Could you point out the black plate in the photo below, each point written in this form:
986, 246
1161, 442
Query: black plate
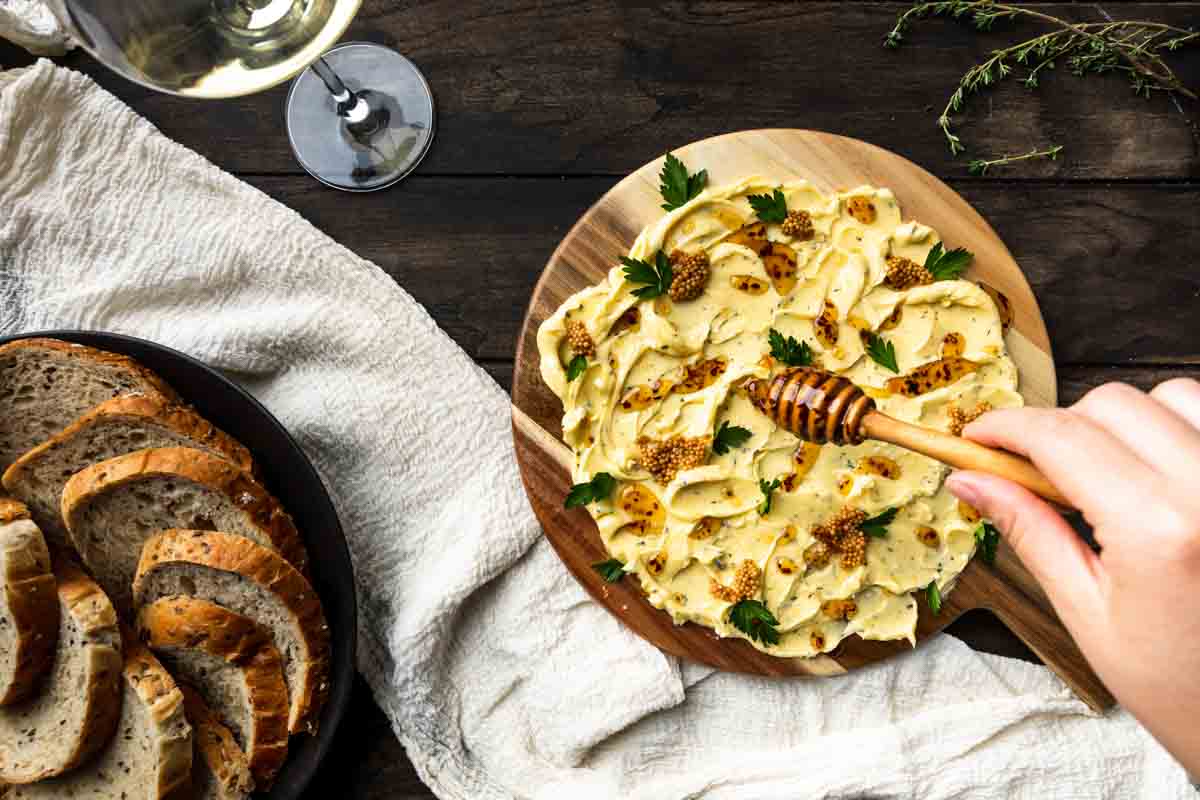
288, 474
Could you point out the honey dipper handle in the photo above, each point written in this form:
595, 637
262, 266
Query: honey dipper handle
962, 453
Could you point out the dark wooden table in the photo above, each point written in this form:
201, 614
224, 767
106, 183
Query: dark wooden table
544, 105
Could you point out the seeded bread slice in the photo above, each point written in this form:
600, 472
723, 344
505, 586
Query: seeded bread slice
46, 383
28, 604
219, 767
231, 662
75, 711
113, 507
113, 428
255, 582
150, 758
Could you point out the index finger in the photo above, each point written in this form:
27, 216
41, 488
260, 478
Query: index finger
1093, 468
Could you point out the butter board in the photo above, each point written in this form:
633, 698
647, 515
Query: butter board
832, 163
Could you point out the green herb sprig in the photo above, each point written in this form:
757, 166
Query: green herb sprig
882, 352
576, 367
876, 527
611, 570
769, 207
656, 276
755, 620
987, 538
600, 487
1132, 48
729, 436
948, 265
789, 351
933, 596
980, 166
767, 489
676, 186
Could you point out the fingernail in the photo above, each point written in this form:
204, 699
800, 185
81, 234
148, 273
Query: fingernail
963, 489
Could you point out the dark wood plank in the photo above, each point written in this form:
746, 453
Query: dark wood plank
602, 86
367, 761
1112, 265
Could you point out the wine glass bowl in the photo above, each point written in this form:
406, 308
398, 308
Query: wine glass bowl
360, 118
206, 48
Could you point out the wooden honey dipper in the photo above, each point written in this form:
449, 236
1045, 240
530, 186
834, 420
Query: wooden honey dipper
822, 407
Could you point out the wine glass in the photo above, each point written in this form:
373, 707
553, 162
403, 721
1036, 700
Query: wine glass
359, 118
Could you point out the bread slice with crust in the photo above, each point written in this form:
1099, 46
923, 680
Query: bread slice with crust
113, 507
250, 580
150, 758
28, 604
74, 712
115, 427
46, 383
219, 767
231, 662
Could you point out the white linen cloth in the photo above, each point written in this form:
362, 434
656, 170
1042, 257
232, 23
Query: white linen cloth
30, 24
500, 676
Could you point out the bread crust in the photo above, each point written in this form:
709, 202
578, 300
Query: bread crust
97, 620
231, 553
181, 419
83, 352
200, 467
216, 746
180, 622
30, 593
164, 702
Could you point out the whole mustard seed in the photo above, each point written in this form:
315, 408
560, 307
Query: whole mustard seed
579, 339
798, 225
691, 273
904, 273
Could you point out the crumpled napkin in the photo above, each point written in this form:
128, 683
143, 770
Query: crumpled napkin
500, 676
30, 24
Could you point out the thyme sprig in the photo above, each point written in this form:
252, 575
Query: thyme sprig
981, 166
1133, 48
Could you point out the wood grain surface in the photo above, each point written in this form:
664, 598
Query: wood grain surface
543, 107
831, 163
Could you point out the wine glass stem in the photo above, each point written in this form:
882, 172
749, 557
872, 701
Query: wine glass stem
349, 105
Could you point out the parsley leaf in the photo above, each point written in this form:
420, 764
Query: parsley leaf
598, 488
882, 352
947, 265
933, 596
729, 436
677, 186
876, 526
988, 539
769, 207
789, 351
764, 507
657, 276
576, 368
756, 621
611, 570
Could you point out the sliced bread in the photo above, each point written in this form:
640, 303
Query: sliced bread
113, 428
113, 507
231, 662
250, 580
28, 604
74, 713
150, 758
47, 383
219, 767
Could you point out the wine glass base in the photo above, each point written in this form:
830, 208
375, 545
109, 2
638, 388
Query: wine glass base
355, 163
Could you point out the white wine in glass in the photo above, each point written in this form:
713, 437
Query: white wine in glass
360, 118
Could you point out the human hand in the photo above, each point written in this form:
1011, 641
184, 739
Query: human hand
1130, 461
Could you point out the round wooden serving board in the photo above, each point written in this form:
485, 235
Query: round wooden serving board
832, 163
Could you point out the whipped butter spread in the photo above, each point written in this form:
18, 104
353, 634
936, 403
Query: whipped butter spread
663, 376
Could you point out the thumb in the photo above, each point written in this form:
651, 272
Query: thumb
1053, 553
